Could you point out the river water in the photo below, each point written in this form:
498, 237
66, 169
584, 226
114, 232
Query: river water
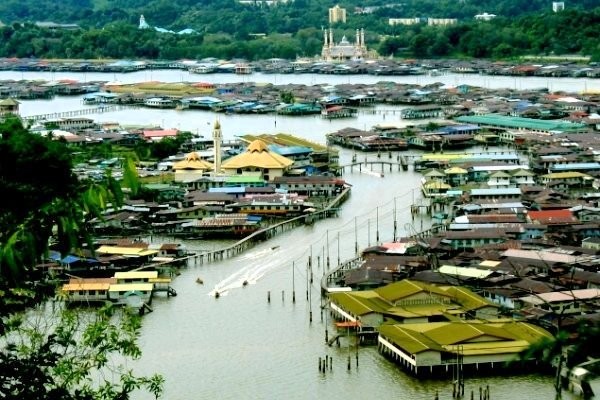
240, 346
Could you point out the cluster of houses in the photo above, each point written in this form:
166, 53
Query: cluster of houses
345, 66
513, 259
274, 177
432, 308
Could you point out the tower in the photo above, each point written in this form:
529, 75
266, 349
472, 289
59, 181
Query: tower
217, 139
143, 24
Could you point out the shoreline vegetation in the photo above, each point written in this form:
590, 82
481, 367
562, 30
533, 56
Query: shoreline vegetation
505, 37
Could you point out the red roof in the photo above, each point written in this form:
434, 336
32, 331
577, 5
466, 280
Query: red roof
552, 217
160, 133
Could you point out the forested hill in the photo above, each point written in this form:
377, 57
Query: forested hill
230, 16
289, 31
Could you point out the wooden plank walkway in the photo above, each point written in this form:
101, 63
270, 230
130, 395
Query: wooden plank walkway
84, 111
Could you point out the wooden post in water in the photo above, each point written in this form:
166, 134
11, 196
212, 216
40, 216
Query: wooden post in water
293, 283
269, 296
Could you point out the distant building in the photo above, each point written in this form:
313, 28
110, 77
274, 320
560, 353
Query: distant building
485, 17
143, 24
404, 21
55, 26
9, 106
337, 14
344, 50
441, 21
558, 6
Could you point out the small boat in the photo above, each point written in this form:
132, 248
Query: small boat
217, 295
199, 281
245, 283
274, 247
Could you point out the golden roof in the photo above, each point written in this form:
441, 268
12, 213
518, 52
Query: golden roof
258, 155
192, 161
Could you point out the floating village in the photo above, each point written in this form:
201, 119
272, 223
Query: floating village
511, 256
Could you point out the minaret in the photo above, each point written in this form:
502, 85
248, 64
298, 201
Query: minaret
362, 37
357, 38
217, 138
330, 37
325, 38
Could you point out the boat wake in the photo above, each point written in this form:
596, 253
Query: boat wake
258, 265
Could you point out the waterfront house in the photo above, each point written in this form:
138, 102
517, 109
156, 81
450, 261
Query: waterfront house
499, 179
468, 239
434, 175
316, 185
257, 161
568, 302
434, 348
585, 213
456, 176
566, 180
409, 301
87, 290
158, 134
522, 176
9, 106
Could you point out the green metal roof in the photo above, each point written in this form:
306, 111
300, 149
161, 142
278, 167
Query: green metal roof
522, 123
244, 179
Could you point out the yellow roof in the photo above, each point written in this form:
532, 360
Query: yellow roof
193, 161
436, 185
258, 155
475, 337
455, 170
566, 175
75, 287
136, 274
125, 251
130, 287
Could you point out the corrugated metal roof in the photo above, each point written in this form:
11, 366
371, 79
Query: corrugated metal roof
522, 123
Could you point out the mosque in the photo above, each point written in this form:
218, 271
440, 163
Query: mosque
344, 50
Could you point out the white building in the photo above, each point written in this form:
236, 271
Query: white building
485, 17
442, 21
403, 21
558, 6
337, 14
143, 24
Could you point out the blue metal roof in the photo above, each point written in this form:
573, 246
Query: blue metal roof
232, 189
576, 166
495, 191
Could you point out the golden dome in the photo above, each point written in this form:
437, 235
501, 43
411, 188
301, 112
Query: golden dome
257, 146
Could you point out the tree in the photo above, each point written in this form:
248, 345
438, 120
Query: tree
41, 200
69, 355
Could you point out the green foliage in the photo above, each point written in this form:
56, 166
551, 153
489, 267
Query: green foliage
69, 356
66, 354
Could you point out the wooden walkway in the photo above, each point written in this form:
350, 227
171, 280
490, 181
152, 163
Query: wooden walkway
260, 235
401, 165
84, 111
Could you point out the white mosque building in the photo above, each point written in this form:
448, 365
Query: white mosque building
344, 50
